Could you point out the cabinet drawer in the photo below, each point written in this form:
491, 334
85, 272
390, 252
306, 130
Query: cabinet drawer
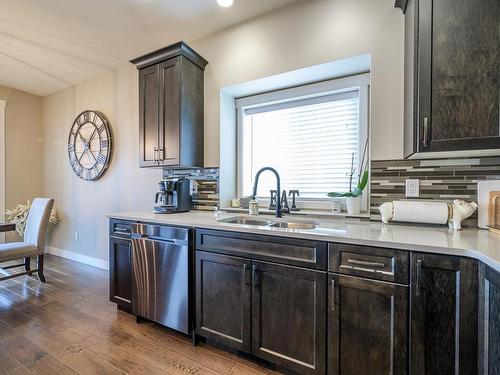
370, 262
296, 252
120, 228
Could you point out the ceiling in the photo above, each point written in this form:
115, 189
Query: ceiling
48, 45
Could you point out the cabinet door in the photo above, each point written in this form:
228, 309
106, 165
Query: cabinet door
459, 83
223, 299
443, 315
170, 86
149, 109
120, 272
288, 316
367, 327
489, 321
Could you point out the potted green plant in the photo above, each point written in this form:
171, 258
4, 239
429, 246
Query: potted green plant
353, 196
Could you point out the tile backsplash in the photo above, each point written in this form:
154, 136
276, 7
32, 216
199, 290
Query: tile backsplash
207, 182
440, 179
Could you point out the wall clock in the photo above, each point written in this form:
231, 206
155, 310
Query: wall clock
89, 145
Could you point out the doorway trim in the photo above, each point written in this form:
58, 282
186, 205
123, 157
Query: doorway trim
3, 105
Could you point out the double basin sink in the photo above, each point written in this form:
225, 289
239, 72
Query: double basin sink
242, 220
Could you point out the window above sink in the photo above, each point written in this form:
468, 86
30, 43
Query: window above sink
308, 133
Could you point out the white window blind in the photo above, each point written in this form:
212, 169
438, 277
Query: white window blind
310, 142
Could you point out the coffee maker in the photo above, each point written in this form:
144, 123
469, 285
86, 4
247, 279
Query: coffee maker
174, 196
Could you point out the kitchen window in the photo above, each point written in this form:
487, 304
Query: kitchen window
309, 134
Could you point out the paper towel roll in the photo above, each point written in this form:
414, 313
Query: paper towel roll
421, 212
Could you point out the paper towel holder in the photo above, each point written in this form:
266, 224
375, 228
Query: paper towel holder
458, 211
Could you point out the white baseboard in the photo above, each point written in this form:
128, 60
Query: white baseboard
99, 263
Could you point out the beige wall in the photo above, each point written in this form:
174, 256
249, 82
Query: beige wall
23, 146
304, 34
82, 205
308, 33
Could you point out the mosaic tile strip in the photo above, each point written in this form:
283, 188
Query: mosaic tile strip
207, 181
440, 179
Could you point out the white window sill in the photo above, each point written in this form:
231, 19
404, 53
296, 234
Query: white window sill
302, 212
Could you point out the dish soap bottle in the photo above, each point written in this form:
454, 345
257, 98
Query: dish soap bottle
253, 207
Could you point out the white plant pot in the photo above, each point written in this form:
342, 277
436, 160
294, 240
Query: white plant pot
353, 205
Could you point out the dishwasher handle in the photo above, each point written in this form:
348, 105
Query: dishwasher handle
163, 233
169, 241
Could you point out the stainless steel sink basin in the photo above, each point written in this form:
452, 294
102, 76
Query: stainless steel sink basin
295, 225
242, 220
246, 221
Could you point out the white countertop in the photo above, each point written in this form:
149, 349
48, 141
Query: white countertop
474, 243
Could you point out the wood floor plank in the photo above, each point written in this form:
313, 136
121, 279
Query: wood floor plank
68, 326
30, 355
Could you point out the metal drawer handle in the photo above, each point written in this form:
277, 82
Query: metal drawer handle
364, 269
122, 229
364, 263
333, 294
418, 271
426, 132
155, 156
254, 277
245, 278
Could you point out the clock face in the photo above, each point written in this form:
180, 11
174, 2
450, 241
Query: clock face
89, 145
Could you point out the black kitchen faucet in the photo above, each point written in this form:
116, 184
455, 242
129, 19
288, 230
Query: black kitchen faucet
279, 212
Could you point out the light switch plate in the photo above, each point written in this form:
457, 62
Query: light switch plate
412, 188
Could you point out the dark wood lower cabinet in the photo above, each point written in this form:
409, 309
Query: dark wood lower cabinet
120, 271
489, 321
367, 327
308, 321
444, 315
288, 316
223, 299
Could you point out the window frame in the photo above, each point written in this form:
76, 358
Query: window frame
360, 82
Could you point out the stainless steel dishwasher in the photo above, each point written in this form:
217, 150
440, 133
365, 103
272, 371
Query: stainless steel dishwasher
161, 272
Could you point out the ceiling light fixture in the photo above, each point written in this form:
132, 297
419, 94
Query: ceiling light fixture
225, 3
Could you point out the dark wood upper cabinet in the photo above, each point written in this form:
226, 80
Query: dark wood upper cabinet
444, 319
171, 130
367, 327
452, 75
489, 321
149, 101
289, 316
223, 299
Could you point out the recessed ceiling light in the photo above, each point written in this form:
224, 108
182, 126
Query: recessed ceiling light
225, 3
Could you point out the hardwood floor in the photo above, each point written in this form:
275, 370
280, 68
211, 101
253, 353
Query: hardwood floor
68, 326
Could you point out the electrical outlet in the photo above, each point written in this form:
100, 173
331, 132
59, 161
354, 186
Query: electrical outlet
194, 187
412, 188
77, 236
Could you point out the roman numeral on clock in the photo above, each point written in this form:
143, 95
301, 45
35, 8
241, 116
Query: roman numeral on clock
86, 117
101, 158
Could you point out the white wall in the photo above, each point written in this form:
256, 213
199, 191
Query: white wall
307, 33
82, 205
23, 147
